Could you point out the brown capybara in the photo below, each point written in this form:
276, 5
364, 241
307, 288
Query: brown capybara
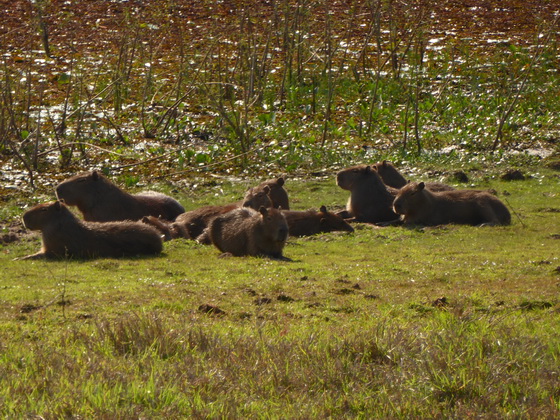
191, 224
418, 205
277, 193
65, 235
391, 176
245, 231
311, 222
100, 200
371, 201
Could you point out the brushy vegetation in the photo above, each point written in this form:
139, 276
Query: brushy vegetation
198, 99
288, 86
386, 322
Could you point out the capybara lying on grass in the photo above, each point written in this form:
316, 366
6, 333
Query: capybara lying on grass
370, 200
311, 222
393, 178
64, 235
418, 205
191, 224
245, 231
100, 200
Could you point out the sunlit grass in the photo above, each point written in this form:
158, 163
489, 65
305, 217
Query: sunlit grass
450, 321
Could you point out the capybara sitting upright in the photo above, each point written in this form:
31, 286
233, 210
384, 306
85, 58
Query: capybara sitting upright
311, 222
245, 231
418, 205
278, 195
391, 176
100, 200
64, 235
370, 200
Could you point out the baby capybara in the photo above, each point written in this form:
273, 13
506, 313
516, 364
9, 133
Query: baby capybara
100, 200
245, 231
311, 222
418, 205
391, 176
370, 200
64, 235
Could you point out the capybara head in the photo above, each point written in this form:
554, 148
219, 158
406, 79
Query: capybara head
278, 195
410, 198
347, 178
257, 197
79, 188
332, 222
41, 215
274, 224
390, 174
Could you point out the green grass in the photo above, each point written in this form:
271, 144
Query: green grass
350, 328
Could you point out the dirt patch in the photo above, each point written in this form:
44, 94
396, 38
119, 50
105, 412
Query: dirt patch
12, 232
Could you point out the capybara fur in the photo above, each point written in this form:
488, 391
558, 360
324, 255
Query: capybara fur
245, 231
311, 222
100, 200
65, 235
418, 205
393, 178
371, 201
390, 175
277, 193
191, 224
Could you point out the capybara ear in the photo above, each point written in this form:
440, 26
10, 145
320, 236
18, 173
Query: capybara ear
323, 209
323, 221
421, 186
280, 181
368, 169
263, 210
266, 189
57, 205
95, 175
384, 163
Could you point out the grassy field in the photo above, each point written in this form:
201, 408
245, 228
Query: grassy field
203, 99
453, 322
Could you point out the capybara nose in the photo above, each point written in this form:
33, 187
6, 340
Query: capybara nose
282, 234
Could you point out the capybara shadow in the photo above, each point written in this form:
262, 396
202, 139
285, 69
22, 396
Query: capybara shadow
418, 205
312, 222
66, 236
99, 200
245, 231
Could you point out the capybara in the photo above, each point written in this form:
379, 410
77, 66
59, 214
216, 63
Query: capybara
418, 205
311, 222
391, 176
278, 195
65, 235
191, 224
245, 231
370, 200
100, 200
